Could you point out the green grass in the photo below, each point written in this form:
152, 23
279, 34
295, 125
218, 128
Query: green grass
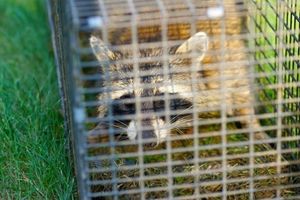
268, 23
33, 161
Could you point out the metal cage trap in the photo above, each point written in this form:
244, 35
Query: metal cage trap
181, 99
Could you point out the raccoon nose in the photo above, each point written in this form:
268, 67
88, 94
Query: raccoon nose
148, 135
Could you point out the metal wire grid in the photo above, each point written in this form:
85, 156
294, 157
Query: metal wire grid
214, 159
283, 32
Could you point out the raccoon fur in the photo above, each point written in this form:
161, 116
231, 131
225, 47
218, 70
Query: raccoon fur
203, 95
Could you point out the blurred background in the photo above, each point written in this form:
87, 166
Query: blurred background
33, 162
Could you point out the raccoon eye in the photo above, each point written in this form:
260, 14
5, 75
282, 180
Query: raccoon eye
121, 107
175, 104
179, 104
127, 108
158, 106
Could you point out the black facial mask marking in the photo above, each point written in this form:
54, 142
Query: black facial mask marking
120, 108
125, 106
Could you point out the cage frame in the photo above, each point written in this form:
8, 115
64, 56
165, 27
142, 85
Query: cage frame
66, 51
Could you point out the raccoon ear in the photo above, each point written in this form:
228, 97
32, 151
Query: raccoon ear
100, 50
197, 43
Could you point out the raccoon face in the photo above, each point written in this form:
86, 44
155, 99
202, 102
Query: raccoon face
152, 126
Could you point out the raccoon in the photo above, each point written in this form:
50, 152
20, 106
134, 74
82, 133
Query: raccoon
183, 95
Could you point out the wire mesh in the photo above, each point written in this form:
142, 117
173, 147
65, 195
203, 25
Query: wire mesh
186, 99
